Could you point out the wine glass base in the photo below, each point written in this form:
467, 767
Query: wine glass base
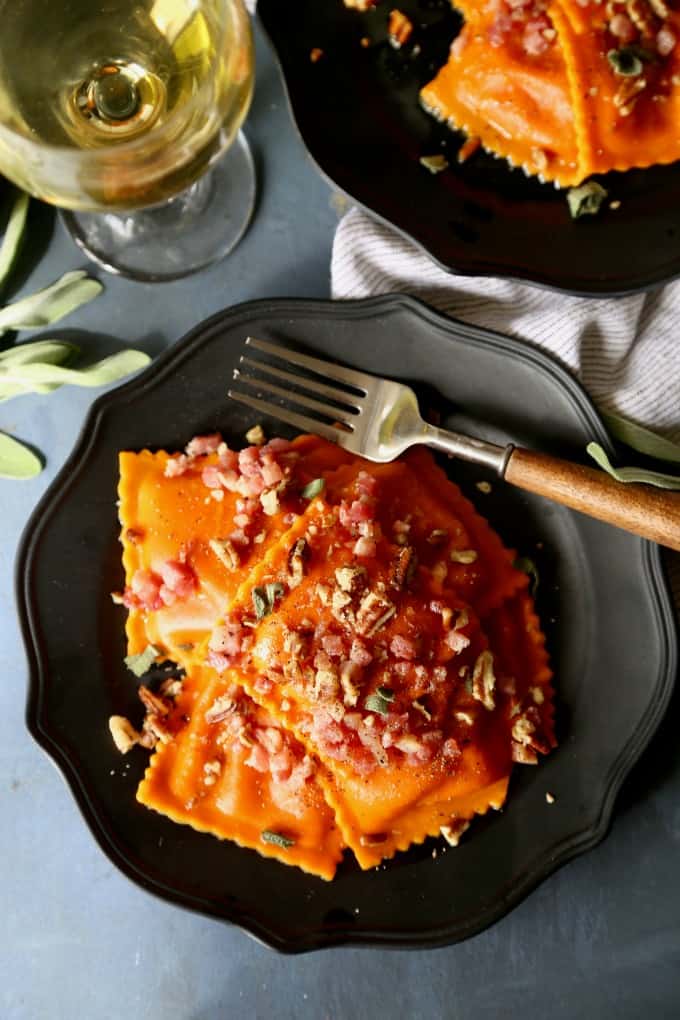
196, 228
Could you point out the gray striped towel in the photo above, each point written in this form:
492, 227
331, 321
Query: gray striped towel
625, 351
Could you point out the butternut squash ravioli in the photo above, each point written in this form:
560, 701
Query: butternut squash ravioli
565, 88
359, 661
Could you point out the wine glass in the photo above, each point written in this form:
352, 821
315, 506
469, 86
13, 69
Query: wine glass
115, 109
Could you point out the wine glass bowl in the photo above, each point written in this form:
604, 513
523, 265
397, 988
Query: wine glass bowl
120, 104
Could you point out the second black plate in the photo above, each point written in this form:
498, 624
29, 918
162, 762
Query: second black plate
358, 112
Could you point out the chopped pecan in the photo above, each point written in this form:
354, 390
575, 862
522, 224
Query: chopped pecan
402, 567
296, 562
256, 436
341, 606
270, 502
158, 728
325, 685
152, 702
373, 613
350, 691
351, 578
294, 643
125, 736
225, 552
484, 680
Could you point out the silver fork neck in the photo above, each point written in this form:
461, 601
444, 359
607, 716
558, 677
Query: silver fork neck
476, 451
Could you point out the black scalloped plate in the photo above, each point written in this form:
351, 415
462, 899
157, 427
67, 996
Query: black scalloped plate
358, 113
602, 598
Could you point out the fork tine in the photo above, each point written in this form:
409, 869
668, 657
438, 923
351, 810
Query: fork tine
334, 413
326, 369
339, 396
298, 421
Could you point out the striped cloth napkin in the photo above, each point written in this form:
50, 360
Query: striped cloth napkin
625, 351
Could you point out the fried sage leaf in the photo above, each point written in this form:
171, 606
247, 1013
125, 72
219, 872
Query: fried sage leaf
641, 439
632, 474
313, 488
51, 304
16, 460
42, 376
142, 663
14, 232
277, 838
586, 200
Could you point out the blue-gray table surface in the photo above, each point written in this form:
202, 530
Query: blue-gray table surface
599, 938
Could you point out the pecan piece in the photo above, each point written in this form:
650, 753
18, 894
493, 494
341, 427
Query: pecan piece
152, 702
351, 578
402, 567
484, 680
125, 736
225, 552
296, 562
373, 613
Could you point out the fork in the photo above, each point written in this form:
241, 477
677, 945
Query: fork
378, 419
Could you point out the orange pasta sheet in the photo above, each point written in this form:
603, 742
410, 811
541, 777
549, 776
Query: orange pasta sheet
565, 88
202, 778
623, 121
519, 107
374, 665
170, 518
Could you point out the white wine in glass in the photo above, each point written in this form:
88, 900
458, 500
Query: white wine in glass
108, 108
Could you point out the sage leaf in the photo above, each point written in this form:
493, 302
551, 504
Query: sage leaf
313, 488
14, 232
17, 460
641, 439
377, 703
277, 838
527, 566
51, 304
54, 352
42, 377
265, 598
142, 663
625, 62
586, 200
632, 474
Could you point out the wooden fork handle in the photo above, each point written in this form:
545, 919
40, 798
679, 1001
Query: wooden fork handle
642, 509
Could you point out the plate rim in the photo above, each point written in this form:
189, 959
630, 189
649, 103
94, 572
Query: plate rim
644, 283
654, 577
